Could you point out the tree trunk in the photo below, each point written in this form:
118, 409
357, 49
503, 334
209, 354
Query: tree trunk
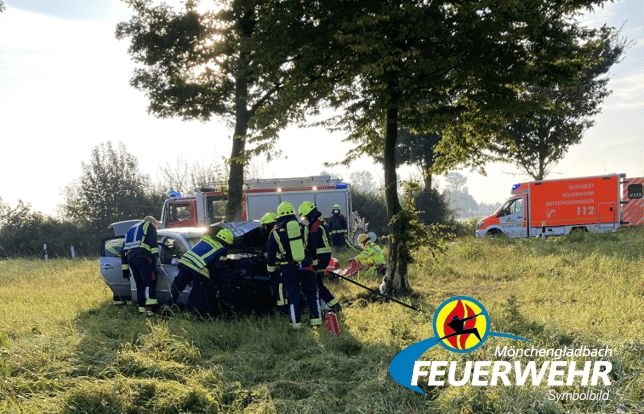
396, 277
427, 177
237, 155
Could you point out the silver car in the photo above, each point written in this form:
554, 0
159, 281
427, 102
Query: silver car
173, 243
242, 281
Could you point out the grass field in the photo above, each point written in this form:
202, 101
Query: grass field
65, 348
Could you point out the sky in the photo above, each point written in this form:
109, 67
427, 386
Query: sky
64, 88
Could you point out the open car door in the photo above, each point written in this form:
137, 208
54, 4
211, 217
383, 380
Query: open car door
110, 268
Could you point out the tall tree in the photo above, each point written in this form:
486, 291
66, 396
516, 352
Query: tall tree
455, 67
110, 189
540, 138
226, 63
418, 150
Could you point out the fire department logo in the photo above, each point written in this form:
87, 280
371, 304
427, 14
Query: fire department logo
461, 323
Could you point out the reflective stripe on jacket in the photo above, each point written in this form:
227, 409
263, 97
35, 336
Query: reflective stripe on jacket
371, 255
320, 246
141, 236
202, 254
278, 249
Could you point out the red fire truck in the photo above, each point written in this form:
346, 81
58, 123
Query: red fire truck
555, 207
259, 196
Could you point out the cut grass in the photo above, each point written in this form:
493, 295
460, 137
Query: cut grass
65, 348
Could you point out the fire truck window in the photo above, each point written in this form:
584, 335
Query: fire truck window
635, 191
216, 210
180, 212
171, 248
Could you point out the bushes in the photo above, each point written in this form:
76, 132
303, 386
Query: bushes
23, 232
371, 206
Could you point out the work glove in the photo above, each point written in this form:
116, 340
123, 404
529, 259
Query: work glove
126, 274
274, 275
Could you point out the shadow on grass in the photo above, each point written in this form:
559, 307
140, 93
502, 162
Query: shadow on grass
126, 363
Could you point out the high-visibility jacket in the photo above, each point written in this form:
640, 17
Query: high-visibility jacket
371, 255
140, 239
202, 254
278, 251
319, 244
337, 224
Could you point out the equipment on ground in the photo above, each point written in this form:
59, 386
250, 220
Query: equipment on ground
376, 292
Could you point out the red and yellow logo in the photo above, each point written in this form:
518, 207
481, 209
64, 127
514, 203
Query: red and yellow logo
461, 323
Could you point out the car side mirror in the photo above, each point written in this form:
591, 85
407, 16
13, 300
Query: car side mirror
174, 261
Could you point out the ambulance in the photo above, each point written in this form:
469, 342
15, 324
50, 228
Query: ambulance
208, 205
556, 207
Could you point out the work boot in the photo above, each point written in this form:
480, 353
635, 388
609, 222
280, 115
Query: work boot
151, 310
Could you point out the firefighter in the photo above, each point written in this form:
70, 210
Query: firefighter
337, 227
371, 255
140, 252
268, 223
196, 266
287, 254
320, 249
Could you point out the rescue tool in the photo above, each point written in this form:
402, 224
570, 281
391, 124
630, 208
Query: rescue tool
376, 292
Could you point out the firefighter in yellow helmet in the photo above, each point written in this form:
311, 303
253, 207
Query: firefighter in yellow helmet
287, 254
371, 255
197, 266
320, 248
277, 283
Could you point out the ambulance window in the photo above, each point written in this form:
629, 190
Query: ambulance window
517, 206
505, 210
511, 207
635, 191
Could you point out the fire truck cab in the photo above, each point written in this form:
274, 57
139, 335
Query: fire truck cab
208, 205
557, 207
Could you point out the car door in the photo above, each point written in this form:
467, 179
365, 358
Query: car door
512, 219
171, 248
110, 267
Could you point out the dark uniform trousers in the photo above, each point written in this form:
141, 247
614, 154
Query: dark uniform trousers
143, 269
199, 298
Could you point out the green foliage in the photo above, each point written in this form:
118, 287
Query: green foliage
110, 189
78, 353
561, 113
417, 150
371, 206
24, 231
234, 62
433, 206
414, 233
